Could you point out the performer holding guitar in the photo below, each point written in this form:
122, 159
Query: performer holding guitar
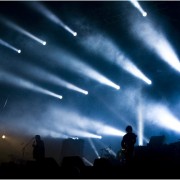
127, 143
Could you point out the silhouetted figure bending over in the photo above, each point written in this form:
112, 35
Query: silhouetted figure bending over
38, 148
127, 143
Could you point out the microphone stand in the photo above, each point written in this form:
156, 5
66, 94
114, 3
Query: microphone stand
23, 149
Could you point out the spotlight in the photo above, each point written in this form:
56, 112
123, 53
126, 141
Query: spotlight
156, 40
51, 16
21, 30
138, 6
6, 44
3, 136
117, 87
149, 81
20, 82
75, 34
162, 116
44, 43
60, 97
120, 58
144, 14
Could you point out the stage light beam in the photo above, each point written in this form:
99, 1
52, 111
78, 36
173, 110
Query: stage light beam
79, 66
34, 70
88, 162
21, 30
44, 43
162, 116
20, 82
93, 147
83, 133
51, 16
99, 44
138, 6
81, 126
144, 14
104, 129
140, 122
156, 41
127, 65
2, 42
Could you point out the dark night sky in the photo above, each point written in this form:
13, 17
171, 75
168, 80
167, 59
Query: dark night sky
99, 25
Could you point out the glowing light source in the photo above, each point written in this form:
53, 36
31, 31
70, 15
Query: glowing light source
3, 136
21, 30
50, 15
86, 70
44, 43
137, 5
40, 73
144, 14
157, 42
127, 65
75, 33
114, 55
2, 42
70, 30
18, 81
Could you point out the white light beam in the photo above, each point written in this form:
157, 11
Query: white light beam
2, 42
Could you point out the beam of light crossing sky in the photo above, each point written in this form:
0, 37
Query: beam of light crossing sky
40, 74
86, 161
138, 6
20, 82
51, 16
162, 116
47, 132
66, 84
21, 30
82, 133
82, 68
140, 123
2, 42
106, 130
156, 41
132, 69
75, 124
107, 49
93, 147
